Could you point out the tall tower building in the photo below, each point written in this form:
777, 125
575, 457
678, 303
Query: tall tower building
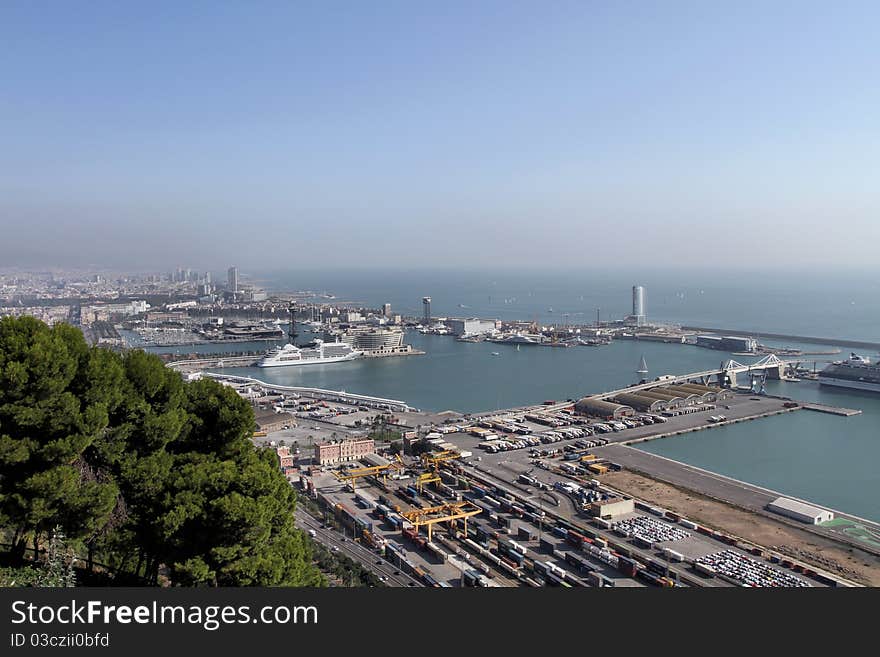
639, 305
232, 282
386, 310
426, 308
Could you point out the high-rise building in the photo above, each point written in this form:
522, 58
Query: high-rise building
207, 278
426, 308
386, 310
232, 279
638, 312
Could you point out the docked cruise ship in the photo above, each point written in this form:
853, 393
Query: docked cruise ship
856, 372
319, 352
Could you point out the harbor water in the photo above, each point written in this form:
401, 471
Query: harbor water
827, 459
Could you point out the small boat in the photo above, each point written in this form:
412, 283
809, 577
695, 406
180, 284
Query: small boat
495, 353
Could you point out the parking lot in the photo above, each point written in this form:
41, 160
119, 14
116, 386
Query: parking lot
749, 571
649, 529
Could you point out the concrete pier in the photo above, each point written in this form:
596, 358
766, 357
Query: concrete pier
834, 410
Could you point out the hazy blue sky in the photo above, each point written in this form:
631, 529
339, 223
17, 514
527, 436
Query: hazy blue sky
558, 133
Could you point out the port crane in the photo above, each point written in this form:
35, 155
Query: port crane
436, 458
351, 476
448, 512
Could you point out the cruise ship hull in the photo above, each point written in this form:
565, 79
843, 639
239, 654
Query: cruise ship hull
308, 361
845, 383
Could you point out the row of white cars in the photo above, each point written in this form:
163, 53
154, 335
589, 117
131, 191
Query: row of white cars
748, 571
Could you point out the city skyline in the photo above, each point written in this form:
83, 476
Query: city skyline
437, 136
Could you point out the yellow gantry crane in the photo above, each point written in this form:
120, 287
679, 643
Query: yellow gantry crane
448, 512
371, 471
427, 478
436, 458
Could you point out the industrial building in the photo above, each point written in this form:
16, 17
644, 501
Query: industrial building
472, 326
671, 397
800, 511
343, 451
269, 420
732, 343
612, 507
641, 402
604, 409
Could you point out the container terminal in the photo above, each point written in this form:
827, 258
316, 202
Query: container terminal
528, 496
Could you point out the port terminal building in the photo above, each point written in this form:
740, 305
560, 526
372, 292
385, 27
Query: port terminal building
669, 398
343, 451
471, 326
800, 511
733, 343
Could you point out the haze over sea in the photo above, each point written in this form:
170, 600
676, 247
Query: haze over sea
737, 295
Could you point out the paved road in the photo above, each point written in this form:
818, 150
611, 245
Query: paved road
332, 538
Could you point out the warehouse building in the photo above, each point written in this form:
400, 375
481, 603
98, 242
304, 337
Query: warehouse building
612, 507
640, 402
472, 326
603, 409
269, 420
672, 400
800, 511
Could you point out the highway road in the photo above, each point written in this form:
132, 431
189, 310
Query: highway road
372, 561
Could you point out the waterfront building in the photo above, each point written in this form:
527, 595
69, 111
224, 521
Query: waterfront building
603, 409
638, 311
472, 326
386, 310
343, 451
801, 511
232, 279
369, 339
426, 311
734, 343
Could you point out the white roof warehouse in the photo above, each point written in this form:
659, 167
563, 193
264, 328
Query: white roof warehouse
800, 510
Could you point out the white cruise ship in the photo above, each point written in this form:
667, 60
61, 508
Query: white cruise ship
856, 372
318, 353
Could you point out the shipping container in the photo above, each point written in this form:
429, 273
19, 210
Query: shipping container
627, 566
574, 539
672, 555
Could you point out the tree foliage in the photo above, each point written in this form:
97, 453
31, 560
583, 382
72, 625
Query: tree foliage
156, 475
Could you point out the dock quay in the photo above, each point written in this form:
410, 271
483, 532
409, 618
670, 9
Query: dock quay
858, 344
738, 493
704, 425
834, 410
